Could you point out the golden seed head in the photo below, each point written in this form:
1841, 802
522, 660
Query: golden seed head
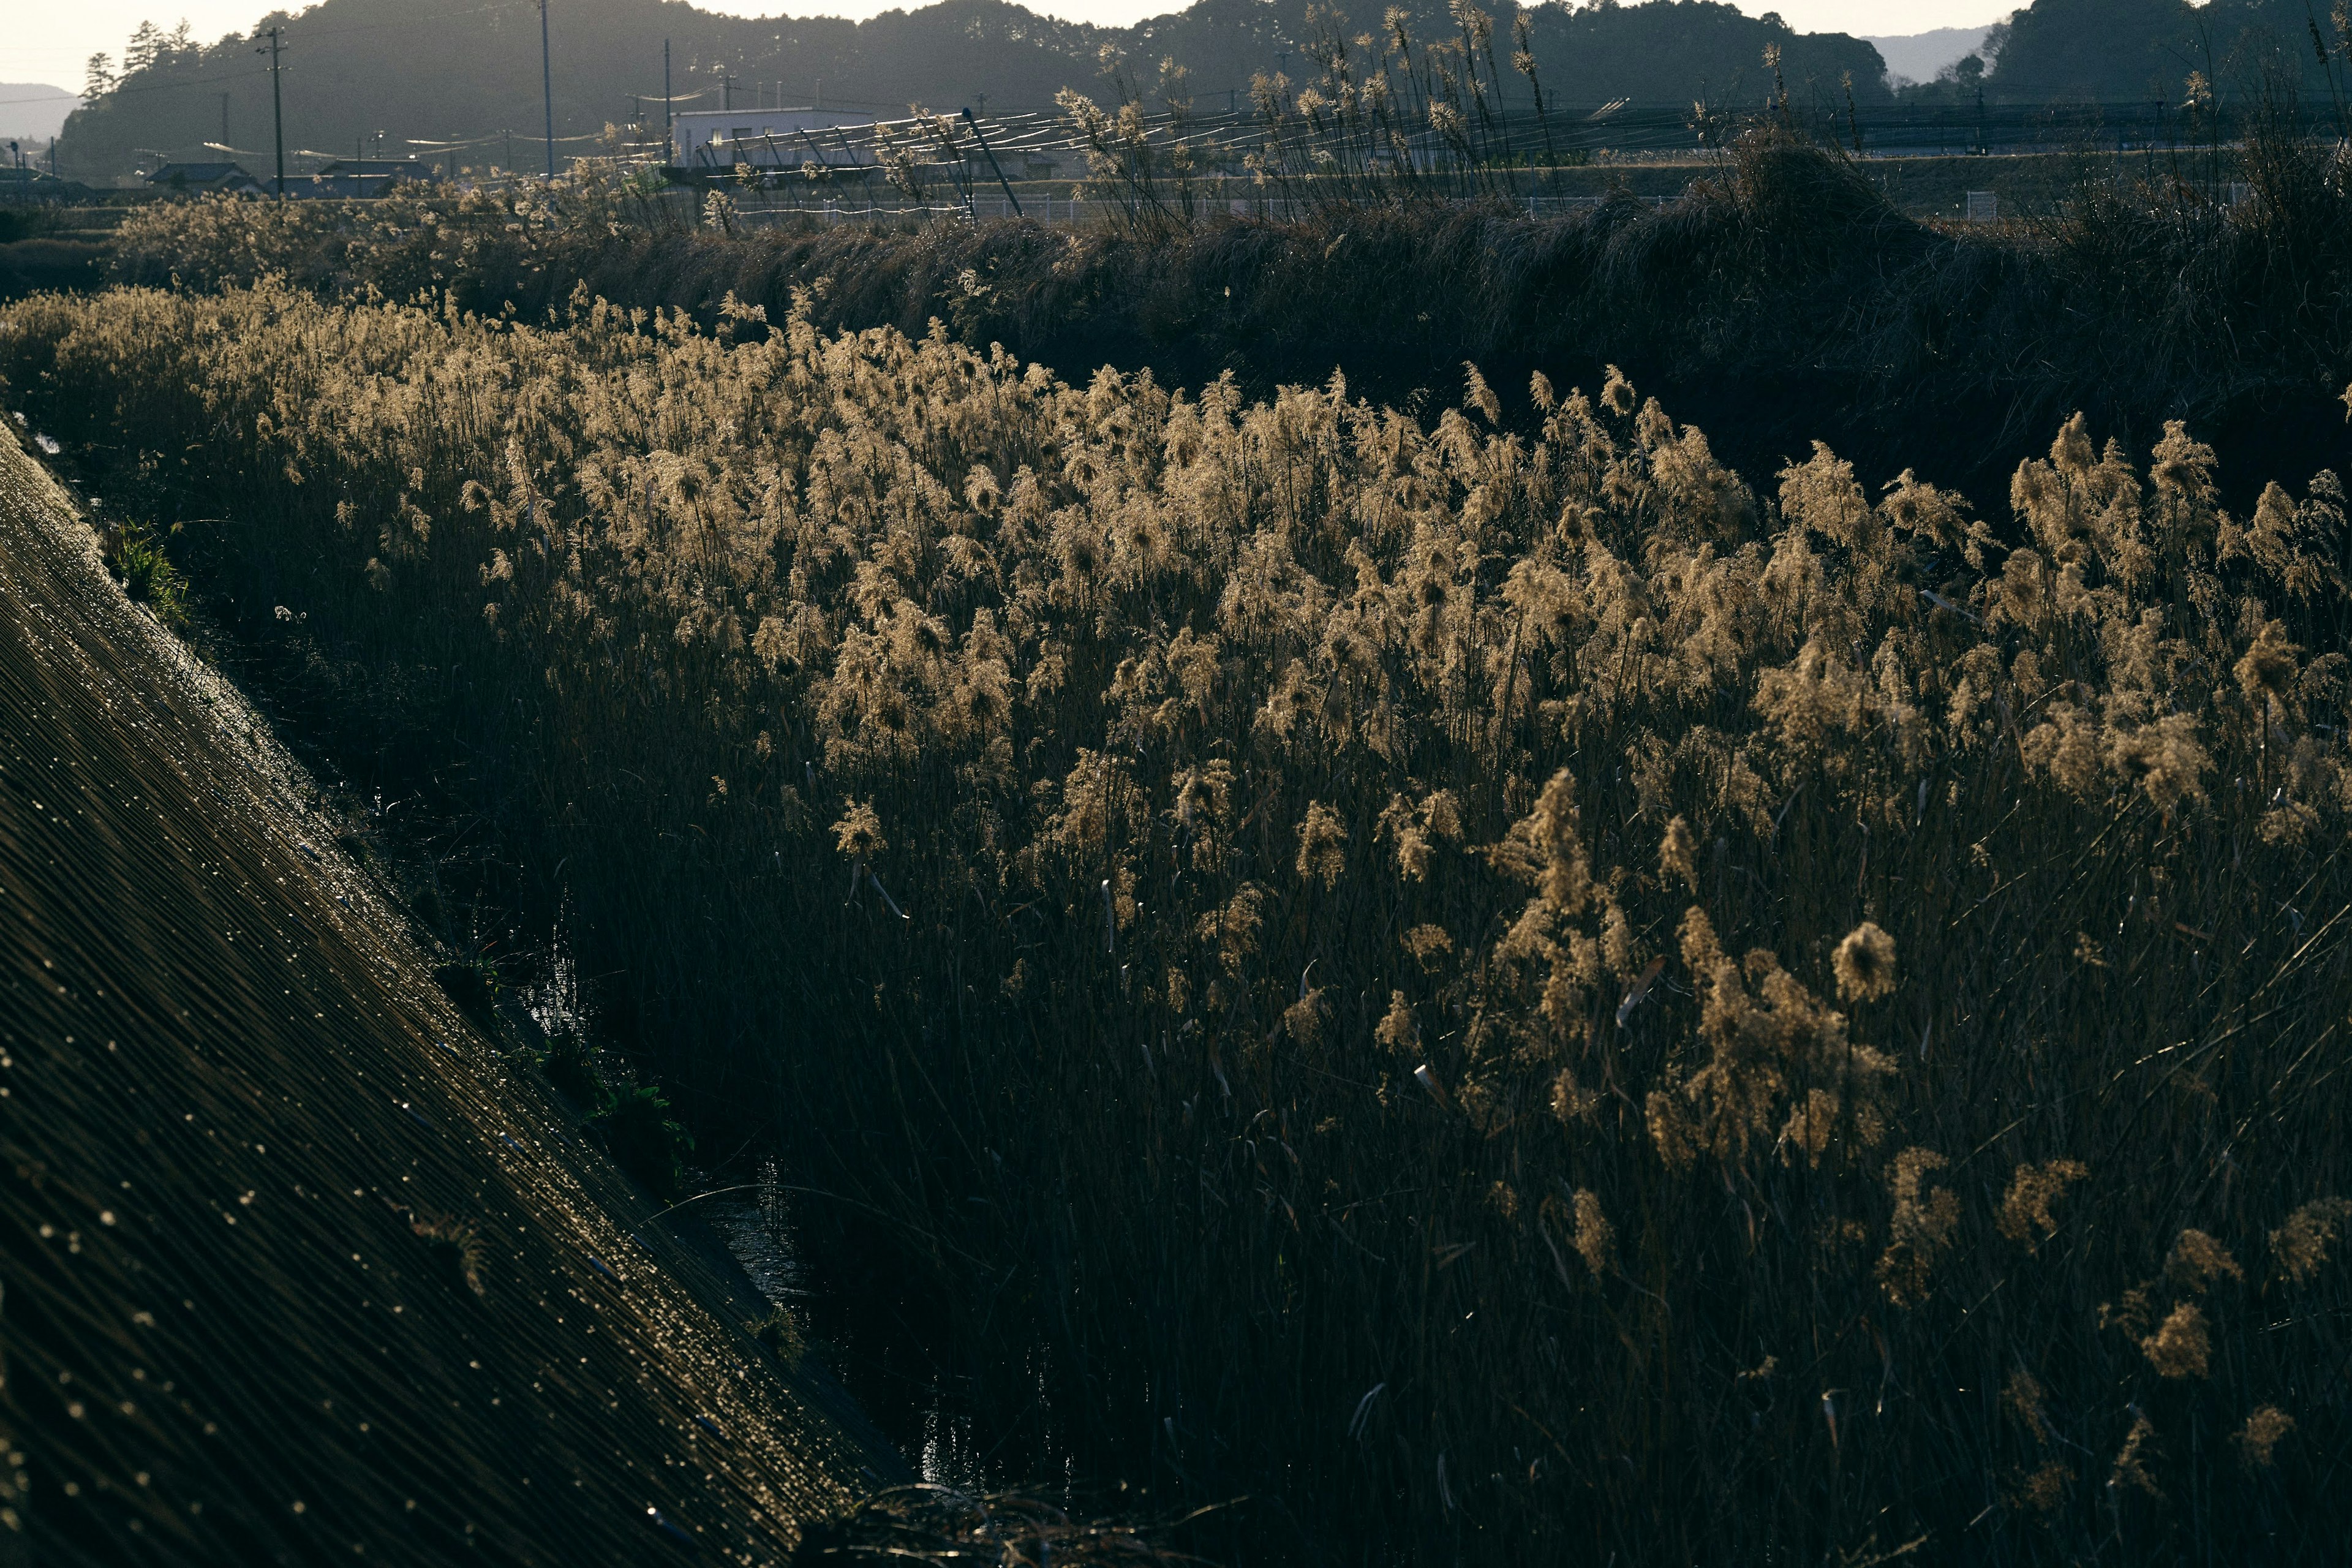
2263, 1431
2197, 1261
2181, 1345
1864, 963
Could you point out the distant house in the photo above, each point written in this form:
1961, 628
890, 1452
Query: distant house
29, 184
396, 168
359, 179
201, 179
719, 139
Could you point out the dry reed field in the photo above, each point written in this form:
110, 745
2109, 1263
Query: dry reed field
1479, 977
1782, 299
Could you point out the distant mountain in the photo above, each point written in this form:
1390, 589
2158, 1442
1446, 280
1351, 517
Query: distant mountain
400, 74
1917, 56
33, 111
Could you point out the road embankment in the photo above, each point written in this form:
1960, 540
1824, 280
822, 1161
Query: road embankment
293, 1265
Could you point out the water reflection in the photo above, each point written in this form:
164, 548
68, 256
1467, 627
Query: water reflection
882, 1356
937, 1430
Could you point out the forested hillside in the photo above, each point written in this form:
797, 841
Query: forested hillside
2144, 50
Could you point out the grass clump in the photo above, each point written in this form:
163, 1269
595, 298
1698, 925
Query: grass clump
135, 553
780, 1336
636, 1121
645, 1140
571, 1067
473, 984
455, 1247
1529, 991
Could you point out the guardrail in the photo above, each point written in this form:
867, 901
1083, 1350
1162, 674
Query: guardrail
1075, 212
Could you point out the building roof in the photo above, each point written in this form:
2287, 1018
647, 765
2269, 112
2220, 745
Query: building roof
39, 185
413, 168
222, 176
197, 173
350, 186
769, 119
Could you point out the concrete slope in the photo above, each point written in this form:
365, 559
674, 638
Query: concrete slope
295, 1268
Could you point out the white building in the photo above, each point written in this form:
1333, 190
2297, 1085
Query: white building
769, 138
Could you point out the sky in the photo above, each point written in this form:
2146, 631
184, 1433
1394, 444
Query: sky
48, 41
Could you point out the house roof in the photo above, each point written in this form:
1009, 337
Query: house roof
772, 119
325, 184
200, 175
410, 166
39, 185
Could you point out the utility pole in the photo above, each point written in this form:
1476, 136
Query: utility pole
276, 108
670, 147
547, 87
224, 97
726, 90
998, 169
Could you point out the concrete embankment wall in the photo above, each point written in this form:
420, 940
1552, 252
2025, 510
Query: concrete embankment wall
253, 1165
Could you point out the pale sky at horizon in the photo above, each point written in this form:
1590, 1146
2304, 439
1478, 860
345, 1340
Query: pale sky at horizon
49, 43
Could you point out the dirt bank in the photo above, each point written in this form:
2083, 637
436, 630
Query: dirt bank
296, 1268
